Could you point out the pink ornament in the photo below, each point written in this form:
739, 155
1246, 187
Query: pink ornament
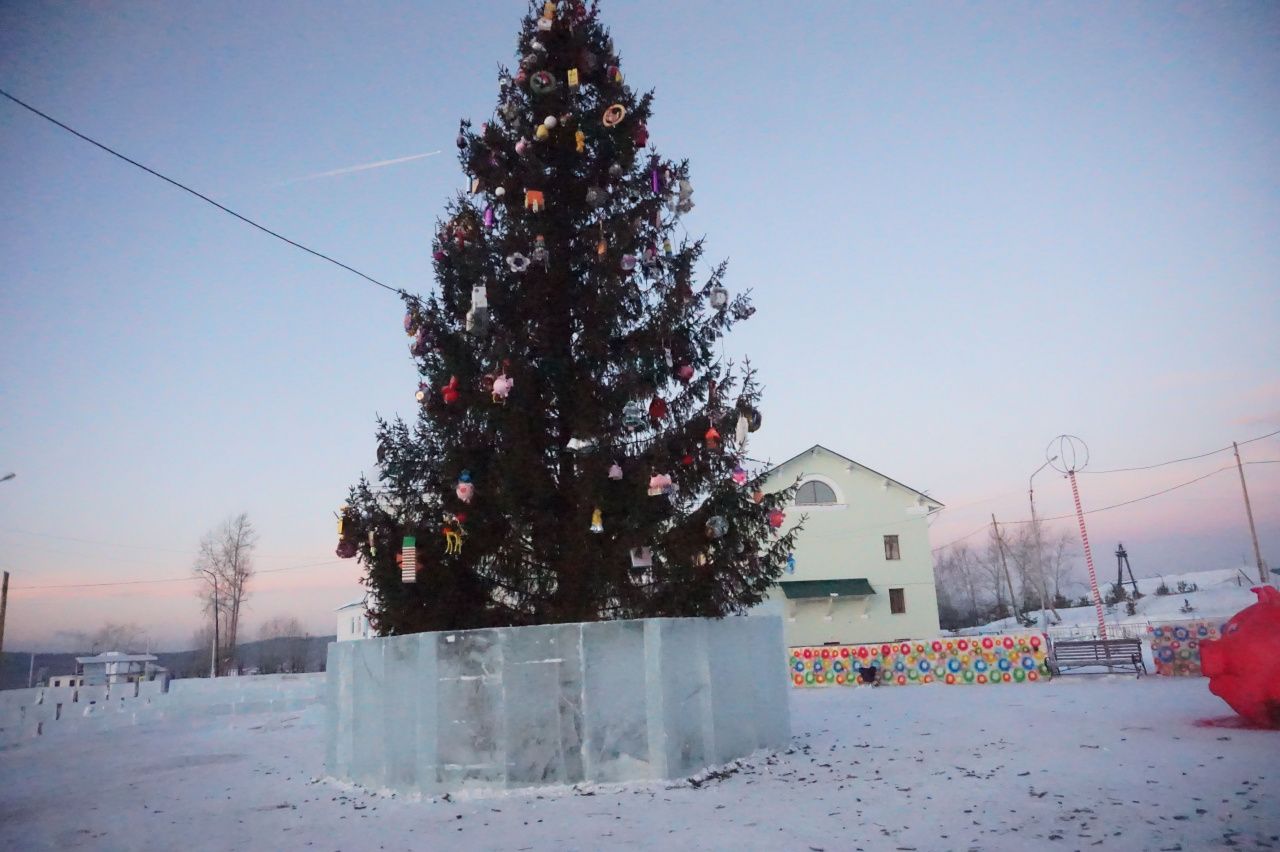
685, 373
739, 475
488, 218
465, 491
776, 517
615, 471
501, 387
660, 483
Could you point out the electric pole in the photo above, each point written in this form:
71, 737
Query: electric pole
1257, 552
4, 604
1013, 602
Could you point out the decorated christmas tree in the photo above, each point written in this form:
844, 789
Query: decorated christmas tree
580, 449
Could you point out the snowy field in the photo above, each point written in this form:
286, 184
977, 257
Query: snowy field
1082, 763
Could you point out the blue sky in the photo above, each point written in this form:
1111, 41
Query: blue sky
969, 228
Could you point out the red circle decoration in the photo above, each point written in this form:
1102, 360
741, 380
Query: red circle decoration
1032, 676
963, 644
844, 652
1035, 641
799, 679
826, 653
951, 646
904, 648
937, 646
1008, 642
884, 650
982, 678
1006, 677
862, 652
901, 680
928, 678
840, 679
950, 678
808, 653
987, 643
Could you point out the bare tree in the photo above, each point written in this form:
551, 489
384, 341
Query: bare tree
225, 563
284, 645
960, 583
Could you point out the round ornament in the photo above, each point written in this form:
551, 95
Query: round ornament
595, 196
685, 373
628, 262
541, 133
499, 192
739, 475
717, 527
615, 170
517, 262
719, 297
613, 115
465, 488
776, 517
712, 438
542, 82
657, 408
550, 122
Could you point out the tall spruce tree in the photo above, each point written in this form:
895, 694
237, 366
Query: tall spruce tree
579, 453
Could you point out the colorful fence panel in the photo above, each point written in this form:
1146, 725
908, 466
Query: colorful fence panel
1015, 658
1175, 646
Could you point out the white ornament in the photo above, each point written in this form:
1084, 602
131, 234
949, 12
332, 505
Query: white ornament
499, 192
550, 122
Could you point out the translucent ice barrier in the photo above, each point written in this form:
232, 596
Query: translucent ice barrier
555, 704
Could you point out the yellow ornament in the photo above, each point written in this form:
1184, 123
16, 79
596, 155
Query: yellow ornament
580, 141
597, 521
573, 78
549, 9
541, 133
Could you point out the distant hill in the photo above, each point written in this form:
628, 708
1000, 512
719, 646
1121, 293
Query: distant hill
14, 667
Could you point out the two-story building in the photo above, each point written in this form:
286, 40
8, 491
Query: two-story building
862, 570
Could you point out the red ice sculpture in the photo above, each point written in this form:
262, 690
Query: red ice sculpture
1243, 666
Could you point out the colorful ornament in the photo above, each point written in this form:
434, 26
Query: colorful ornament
739, 475
758, 497
573, 78
540, 254
632, 416
657, 408
659, 484
452, 531
579, 141
501, 387
666, 248
449, 393
410, 322
717, 527
712, 438
550, 122
614, 74
791, 563
685, 373
641, 557
542, 82
409, 560
640, 135
615, 471
534, 200
655, 178
613, 116
597, 521
488, 218
517, 262
541, 133
424, 392
628, 262
687, 459
776, 517
465, 489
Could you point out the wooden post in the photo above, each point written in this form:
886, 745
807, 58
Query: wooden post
1013, 601
1257, 552
4, 604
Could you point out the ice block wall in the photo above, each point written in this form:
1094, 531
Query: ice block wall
555, 704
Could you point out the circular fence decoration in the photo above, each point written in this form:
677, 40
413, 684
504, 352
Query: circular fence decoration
987, 660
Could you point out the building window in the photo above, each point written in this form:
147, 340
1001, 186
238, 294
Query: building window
891, 547
815, 493
897, 601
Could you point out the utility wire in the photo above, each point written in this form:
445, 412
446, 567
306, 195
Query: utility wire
166, 579
1176, 461
201, 196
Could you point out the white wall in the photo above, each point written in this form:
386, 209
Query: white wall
846, 541
353, 623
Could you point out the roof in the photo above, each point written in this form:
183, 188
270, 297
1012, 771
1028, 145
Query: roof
118, 657
357, 602
932, 500
856, 586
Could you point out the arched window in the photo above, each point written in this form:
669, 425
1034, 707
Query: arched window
815, 493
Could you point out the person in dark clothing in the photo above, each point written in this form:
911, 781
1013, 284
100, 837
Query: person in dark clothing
870, 674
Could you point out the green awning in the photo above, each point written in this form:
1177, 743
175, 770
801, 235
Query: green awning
795, 589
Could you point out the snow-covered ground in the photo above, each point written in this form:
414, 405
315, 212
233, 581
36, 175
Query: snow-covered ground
1220, 594
1109, 763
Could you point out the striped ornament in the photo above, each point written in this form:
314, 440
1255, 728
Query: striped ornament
409, 560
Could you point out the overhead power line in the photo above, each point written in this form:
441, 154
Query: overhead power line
201, 195
1177, 461
166, 579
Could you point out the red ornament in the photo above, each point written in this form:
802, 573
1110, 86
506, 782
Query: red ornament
658, 408
1243, 666
450, 391
776, 517
712, 437
685, 373
640, 135
687, 460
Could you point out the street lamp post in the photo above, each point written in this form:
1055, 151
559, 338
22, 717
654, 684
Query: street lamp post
1035, 531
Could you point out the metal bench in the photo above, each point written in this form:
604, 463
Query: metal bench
1084, 653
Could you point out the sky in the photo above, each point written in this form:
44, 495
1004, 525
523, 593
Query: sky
968, 228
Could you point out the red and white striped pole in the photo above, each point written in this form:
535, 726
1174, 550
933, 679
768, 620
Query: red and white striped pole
1088, 558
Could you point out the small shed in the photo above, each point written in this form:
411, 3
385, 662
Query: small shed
118, 667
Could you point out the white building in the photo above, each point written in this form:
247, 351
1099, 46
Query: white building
353, 623
118, 667
863, 570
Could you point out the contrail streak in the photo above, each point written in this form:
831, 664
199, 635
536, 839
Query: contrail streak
361, 168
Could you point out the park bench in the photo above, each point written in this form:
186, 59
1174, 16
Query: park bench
1084, 653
